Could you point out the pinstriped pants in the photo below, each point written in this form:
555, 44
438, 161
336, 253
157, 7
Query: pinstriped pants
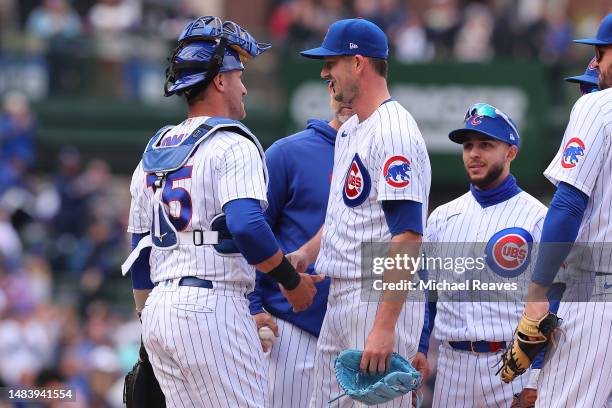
291, 367
346, 325
468, 380
204, 347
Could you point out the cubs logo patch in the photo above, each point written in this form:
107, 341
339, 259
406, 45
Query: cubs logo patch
508, 252
476, 120
573, 151
357, 183
396, 171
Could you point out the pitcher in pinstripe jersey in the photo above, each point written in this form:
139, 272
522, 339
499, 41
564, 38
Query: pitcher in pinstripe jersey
379, 193
497, 212
578, 372
199, 231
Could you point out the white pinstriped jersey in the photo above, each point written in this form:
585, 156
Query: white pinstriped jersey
584, 160
226, 166
382, 158
507, 225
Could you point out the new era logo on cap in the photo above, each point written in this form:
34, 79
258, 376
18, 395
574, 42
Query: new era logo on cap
351, 37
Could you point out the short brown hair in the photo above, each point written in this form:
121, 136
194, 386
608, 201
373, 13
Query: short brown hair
380, 66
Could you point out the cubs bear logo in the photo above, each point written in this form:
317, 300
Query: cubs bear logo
356, 183
396, 171
508, 252
573, 151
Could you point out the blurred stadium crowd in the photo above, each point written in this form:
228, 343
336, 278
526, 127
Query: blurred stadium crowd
65, 313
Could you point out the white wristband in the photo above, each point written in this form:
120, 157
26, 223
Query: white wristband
534, 373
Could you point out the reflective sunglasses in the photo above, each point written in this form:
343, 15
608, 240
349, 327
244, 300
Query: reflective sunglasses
484, 109
586, 88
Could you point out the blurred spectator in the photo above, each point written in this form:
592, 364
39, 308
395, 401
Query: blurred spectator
442, 20
10, 244
411, 43
559, 35
389, 15
473, 42
17, 133
73, 196
54, 18
304, 28
114, 16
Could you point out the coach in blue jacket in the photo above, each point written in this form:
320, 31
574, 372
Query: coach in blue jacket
299, 168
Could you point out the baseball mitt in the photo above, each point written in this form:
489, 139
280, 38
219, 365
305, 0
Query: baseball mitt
531, 337
140, 388
525, 399
375, 389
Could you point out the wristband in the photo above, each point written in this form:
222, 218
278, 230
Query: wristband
285, 274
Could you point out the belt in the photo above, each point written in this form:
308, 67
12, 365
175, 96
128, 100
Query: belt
195, 282
478, 346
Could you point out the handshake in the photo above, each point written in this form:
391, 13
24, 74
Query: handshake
302, 295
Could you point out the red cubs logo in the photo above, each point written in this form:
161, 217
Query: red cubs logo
396, 171
356, 183
508, 252
572, 152
476, 120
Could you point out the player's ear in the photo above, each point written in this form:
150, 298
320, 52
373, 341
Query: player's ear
512, 153
359, 62
219, 82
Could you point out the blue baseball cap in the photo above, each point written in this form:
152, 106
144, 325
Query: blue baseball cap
590, 76
604, 33
351, 37
489, 121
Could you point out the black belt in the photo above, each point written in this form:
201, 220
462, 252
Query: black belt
478, 346
195, 282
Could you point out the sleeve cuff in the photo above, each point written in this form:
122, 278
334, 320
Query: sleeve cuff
534, 373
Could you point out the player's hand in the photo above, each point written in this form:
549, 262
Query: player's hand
301, 297
264, 319
377, 352
421, 364
299, 260
526, 399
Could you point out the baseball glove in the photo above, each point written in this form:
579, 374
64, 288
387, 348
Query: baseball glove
140, 388
375, 389
531, 337
526, 399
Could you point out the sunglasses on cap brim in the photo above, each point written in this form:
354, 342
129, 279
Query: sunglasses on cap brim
484, 109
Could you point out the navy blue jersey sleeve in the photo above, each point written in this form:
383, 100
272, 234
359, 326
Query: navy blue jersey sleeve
141, 269
561, 225
403, 215
249, 229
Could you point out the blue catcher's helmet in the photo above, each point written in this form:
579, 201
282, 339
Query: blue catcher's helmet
206, 47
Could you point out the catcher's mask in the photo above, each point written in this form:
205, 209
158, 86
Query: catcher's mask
206, 47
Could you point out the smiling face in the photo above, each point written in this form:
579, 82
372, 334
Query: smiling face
340, 72
603, 61
342, 111
486, 160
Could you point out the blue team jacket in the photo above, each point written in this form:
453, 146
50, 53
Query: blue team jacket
299, 168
